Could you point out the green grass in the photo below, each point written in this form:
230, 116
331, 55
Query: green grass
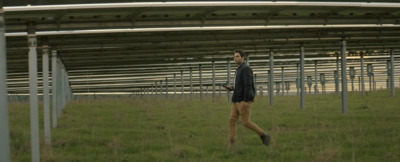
184, 130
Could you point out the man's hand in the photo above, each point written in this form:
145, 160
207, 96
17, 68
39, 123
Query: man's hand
229, 88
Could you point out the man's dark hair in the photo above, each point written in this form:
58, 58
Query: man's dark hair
240, 52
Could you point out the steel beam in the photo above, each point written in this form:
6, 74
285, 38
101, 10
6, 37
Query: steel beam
201, 4
271, 78
46, 98
392, 72
302, 93
33, 93
344, 77
4, 123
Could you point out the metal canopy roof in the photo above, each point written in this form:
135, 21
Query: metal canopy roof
124, 47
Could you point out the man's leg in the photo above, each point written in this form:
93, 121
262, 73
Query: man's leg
244, 110
232, 122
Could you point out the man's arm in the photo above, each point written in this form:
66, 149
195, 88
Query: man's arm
248, 81
228, 88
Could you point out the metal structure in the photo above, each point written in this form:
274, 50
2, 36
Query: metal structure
370, 72
309, 83
352, 76
322, 80
33, 93
344, 76
4, 126
126, 48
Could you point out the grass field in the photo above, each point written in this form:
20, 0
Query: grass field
148, 129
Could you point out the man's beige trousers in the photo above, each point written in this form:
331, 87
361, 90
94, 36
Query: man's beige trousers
242, 109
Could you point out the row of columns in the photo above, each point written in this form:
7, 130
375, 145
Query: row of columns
299, 81
61, 91
60, 98
155, 89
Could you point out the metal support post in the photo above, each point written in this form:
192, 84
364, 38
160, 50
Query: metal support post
362, 74
271, 78
61, 92
4, 123
337, 78
322, 80
33, 93
201, 83
287, 87
297, 79
191, 83
352, 76
388, 74
309, 83
161, 91
268, 90
213, 81
370, 72
278, 88
302, 93
283, 81
155, 84
344, 77
152, 90
54, 87
175, 86
373, 80
316, 78
166, 87
46, 98
182, 85
392, 72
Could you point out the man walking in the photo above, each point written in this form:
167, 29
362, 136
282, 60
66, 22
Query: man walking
243, 97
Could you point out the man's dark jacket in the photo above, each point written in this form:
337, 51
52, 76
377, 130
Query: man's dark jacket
244, 88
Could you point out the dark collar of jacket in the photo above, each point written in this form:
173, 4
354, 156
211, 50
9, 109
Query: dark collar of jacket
242, 66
